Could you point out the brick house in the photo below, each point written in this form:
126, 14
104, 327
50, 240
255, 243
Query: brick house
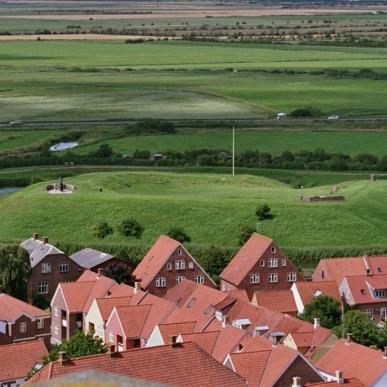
17, 360
166, 264
20, 321
259, 265
49, 267
367, 293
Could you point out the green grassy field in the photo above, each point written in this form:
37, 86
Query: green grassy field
71, 80
210, 207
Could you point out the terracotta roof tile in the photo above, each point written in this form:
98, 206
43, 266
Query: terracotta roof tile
185, 365
277, 300
16, 360
353, 382
205, 340
133, 319
308, 290
155, 259
175, 329
245, 259
11, 308
361, 362
106, 305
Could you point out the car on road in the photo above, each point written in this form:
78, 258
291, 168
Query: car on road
281, 116
16, 122
333, 117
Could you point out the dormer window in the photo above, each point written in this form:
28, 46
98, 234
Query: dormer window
380, 293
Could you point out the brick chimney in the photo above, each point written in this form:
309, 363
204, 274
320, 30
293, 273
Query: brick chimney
339, 377
136, 287
349, 338
296, 381
224, 321
173, 341
45, 240
35, 235
99, 272
111, 349
316, 323
63, 358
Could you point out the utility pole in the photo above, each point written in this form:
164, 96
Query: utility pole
233, 150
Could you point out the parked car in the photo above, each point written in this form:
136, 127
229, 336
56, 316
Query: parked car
16, 122
280, 116
333, 117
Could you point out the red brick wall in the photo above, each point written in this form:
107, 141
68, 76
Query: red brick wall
55, 276
173, 273
376, 306
264, 284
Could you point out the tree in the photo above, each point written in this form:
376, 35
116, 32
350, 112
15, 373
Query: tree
40, 301
263, 212
245, 232
326, 309
101, 229
120, 274
364, 331
104, 151
179, 234
130, 228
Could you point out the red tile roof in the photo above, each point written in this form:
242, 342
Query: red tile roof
155, 259
106, 305
240, 294
12, 308
205, 340
308, 289
245, 259
353, 382
133, 319
180, 293
185, 365
175, 329
277, 300
355, 360
336, 269
16, 360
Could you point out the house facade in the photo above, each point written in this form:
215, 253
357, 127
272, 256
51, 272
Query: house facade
166, 264
20, 321
259, 265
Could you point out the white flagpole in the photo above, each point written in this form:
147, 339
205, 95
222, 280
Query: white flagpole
233, 150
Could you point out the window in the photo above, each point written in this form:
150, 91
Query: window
43, 287
284, 262
322, 274
292, 277
111, 337
254, 278
64, 267
369, 313
46, 268
23, 327
56, 331
100, 331
169, 266
199, 279
383, 314
179, 278
262, 263
190, 265
56, 312
180, 265
273, 277
273, 250
180, 251
380, 293
40, 323
273, 262
161, 282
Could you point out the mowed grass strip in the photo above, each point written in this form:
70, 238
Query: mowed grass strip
210, 207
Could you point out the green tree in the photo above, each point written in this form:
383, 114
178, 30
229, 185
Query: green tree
40, 301
364, 330
178, 234
120, 274
245, 232
326, 309
263, 212
104, 151
130, 228
101, 229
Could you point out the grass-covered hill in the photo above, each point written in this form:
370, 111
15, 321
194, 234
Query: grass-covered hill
209, 207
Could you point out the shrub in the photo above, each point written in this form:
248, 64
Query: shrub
101, 230
306, 112
263, 212
245, 232
179, 234
130, 228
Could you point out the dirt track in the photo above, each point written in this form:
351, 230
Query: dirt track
74, 37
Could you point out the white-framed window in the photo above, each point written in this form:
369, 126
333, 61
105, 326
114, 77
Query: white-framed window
169, 266
43, 287
273, 277
380, 293
199, 279
180, 265
56, 312
273, 262
383, 314
292, 277
111, 337
284, 262
179, 251
254, 278
191, 265
161, 282
56, 331
179, 278
262, 263
100, 331
46, 267
64, 266
23, 327
40, 323
273, 249
369, 312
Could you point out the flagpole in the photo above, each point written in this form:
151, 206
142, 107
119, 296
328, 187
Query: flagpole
233, 150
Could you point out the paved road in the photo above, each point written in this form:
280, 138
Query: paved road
190, 120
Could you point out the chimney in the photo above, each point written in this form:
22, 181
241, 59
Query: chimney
349, 338
45, 240
224, 321
111, 349
296, 381
339, 377
63, 359
35, 235
316, 323
385, 353
174, 342
100, 272
136, 287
